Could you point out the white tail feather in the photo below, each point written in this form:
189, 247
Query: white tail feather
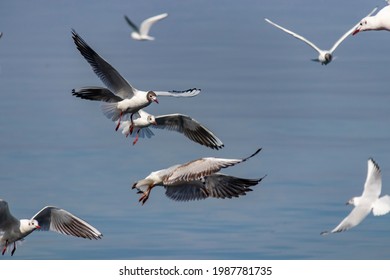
381, 206
111, 111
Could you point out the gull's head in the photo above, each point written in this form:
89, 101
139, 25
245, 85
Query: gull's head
364, 25
151, 120
151, 97
325, 58
28, 226
34, 224
328, 58
143, 183
353, 201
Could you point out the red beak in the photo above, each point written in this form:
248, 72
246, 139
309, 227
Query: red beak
355, 32
38, 227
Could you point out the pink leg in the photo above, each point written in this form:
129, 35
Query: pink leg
145, 196
5, 247
131, 128
136, 137
119, 121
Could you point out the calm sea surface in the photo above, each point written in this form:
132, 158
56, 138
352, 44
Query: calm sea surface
317, 126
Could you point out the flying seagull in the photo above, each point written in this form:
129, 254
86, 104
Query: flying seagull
324, 56
367, 202
186, 125
197, 179
49, 218
142, 33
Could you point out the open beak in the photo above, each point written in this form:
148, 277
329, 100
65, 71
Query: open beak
155, 100
355, 31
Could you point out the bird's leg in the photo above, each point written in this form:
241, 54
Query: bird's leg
119, 121
5, 247
13, 250
145, 195
136, 137
131, 128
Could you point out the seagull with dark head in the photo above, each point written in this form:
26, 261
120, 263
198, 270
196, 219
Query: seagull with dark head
119, 97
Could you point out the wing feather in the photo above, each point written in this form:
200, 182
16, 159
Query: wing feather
147, 23
97, 94
109, 76
201, 167
132, 24
191, 128
355, 217
6, 218
216, 185
61, 221
297, 36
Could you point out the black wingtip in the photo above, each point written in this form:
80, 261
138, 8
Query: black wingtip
252, 155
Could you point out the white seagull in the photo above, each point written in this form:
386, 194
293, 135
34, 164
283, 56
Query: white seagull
49, 218
186, 125
197, 179
121, 98
381, 21
369, 200
142, 33
324, 56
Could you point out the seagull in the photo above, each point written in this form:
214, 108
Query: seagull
381, 21
49, 218
186, 125
368, 201
324, 56
121, 98
197, 179
142, 33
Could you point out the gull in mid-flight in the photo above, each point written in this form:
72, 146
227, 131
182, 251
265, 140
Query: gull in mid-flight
49, 218
120, 98
197, 179
186, 125
367, 202
142, 33
324, 56
381, 21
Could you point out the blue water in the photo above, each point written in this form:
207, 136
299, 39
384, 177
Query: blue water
317, 126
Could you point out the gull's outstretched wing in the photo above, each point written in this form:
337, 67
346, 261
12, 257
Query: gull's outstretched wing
202, 167
179, 93
109, 76
147, 24
215, 185
61, 221
191, 128
6, 218
295, 35
353, 219
373, 184
132, 25
97, 94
